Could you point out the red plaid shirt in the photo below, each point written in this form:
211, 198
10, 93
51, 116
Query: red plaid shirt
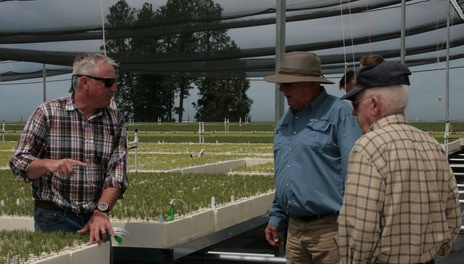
58, 130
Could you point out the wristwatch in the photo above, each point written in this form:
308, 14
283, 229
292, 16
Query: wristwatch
103, 207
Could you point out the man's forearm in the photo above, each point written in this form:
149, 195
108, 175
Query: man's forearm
110, 196
37, 169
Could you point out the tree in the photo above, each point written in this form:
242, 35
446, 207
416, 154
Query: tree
148, 96
152, 99
191, 13
223, 99
121, 16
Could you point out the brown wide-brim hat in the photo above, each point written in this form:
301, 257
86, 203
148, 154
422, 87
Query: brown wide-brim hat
298, 66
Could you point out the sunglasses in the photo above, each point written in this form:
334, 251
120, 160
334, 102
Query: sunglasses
108, 82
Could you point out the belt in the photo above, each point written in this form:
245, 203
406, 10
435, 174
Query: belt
310, 218
52, 206
48, 205
430, 262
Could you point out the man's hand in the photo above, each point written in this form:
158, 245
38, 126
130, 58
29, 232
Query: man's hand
99, 227
272, 236
40, 167
64, 166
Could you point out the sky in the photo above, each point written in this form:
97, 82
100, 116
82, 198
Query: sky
18, 99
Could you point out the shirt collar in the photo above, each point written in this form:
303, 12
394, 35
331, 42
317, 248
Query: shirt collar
71, 106
315, 103
70, 103
389, 120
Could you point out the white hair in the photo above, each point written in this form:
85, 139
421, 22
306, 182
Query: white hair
393, 98
85, 64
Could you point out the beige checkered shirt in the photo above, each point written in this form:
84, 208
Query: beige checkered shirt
401, 201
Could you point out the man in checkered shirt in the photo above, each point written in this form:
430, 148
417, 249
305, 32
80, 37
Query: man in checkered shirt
401, 202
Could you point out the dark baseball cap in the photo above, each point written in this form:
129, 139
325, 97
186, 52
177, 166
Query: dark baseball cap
385, 74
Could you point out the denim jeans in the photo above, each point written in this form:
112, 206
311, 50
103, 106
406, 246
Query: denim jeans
49, 220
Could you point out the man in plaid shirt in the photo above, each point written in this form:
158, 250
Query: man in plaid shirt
73, 153
401, 202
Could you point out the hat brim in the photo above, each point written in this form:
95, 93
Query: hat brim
288, 78
349, 95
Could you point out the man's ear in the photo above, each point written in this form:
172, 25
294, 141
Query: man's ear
85, 83
375, 105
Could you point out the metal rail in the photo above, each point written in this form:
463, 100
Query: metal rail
237, 257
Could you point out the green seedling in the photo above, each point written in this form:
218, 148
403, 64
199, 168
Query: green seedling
119, 233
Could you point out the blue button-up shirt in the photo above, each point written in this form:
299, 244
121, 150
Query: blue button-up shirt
311, 151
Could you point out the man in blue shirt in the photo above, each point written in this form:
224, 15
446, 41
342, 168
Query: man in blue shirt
312, 143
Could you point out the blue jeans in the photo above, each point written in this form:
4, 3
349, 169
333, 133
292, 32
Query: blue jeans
50, 220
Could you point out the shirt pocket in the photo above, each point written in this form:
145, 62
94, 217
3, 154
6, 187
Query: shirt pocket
318, 134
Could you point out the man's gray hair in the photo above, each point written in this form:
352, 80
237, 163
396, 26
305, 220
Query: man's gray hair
393, 98
85, 64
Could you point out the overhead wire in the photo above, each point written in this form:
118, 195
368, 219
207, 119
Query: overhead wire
351, 38
103, 26
253, 61
343, 33
368, 26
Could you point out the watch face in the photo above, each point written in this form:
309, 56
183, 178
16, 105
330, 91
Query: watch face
103, 207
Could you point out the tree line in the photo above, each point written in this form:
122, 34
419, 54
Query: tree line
145, 96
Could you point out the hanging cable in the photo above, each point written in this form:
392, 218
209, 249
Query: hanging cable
102, 14
343, 36
352, 39
344, 43
368, 26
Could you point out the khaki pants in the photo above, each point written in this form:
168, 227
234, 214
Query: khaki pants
312, 242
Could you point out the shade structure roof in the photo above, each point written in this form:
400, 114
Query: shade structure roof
340, 32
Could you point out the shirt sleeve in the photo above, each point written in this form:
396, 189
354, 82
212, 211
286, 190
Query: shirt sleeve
277, 216
31, 145
348, 132
359, 221
117, 167
453, 214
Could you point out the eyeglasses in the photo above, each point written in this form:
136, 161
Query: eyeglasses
356, 103
108, 82
286, 85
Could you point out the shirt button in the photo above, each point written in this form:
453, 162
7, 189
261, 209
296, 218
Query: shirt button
294, 132
288, 166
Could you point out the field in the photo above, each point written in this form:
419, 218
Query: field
218, 132
150, 193
163, 147
158, 150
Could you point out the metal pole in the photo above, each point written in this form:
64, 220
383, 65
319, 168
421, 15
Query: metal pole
44, 74
136, 140
280, 49
447, 125
403, 31
281, 8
